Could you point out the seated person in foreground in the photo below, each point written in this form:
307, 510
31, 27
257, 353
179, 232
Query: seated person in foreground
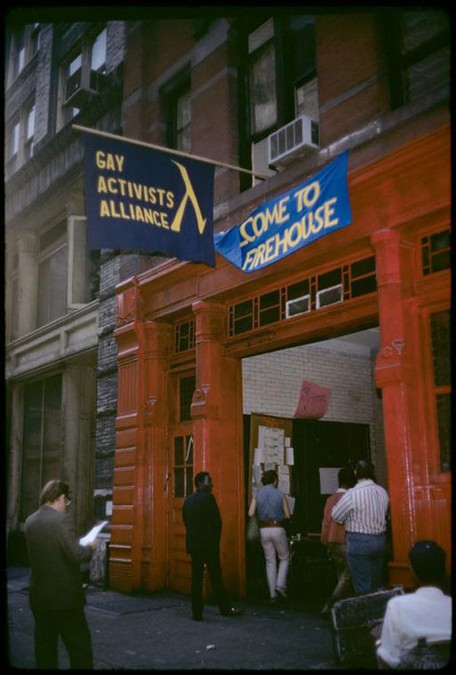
426, 613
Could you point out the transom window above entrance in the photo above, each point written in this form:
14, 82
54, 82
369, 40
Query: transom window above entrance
436, 252
184, 336
183, 465
310, 294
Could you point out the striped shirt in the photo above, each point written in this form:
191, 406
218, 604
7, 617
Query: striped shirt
363, 508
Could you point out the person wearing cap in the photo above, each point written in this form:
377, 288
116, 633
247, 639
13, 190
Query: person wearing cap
363, 510
271, 508
426, 613
56, 594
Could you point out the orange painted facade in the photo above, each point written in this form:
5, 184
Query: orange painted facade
396, 199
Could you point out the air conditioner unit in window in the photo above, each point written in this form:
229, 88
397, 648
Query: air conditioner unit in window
81, 86
329, 296
293, 140
297, 306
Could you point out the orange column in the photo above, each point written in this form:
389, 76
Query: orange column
157, 338
395, 375
124, 558
218, 435
138, 547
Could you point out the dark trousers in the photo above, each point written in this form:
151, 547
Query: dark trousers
210, 558
71, 625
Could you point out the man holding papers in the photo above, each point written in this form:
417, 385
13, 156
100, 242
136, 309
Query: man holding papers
56, 594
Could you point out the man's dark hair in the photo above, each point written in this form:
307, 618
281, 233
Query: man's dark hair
364, 469
427, 559
269, 477
52, 491
346, 477
199, 478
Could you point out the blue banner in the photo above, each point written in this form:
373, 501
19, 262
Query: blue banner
146, 199
290, 221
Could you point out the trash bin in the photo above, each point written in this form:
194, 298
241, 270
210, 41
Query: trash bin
352, 620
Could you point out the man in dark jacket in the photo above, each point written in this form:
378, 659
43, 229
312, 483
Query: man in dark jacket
204, 528
56, 593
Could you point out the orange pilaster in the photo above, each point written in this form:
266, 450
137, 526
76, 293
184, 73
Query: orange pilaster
218, 434
396, 372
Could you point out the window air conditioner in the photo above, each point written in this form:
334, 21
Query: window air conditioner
81, 86
329, 296
297, 306
293, 140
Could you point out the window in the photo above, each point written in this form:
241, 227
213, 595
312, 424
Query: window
20, 138
313, 293
67, 274
29, 131
440, 350
186, 390
52, 285
176, 97
42, 439
418, 53
14, 139
24, 45
184, 336
436, 252
183, 123
82, 76
281, 84
263, 96
183, 465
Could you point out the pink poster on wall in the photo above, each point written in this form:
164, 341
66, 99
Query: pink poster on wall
313, 400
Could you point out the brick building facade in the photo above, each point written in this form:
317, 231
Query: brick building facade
203, 354
183, 356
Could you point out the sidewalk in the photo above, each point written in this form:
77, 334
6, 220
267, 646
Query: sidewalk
156, 632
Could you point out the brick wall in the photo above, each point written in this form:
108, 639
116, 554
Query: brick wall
272, 385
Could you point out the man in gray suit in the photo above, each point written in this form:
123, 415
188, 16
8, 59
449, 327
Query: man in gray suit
56, 593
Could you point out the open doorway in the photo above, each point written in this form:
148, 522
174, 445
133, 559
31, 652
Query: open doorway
350, 428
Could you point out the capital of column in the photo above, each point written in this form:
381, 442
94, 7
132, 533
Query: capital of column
128, 303
210, 320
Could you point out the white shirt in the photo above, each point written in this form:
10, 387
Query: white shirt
425, 613
363, 508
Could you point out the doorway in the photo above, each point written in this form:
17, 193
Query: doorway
350, 429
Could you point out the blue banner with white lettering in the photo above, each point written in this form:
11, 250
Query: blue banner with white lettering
283, 225
146, 199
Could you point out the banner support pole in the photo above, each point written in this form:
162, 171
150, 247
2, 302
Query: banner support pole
77, 127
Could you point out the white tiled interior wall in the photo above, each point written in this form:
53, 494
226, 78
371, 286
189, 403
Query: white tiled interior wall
272, 385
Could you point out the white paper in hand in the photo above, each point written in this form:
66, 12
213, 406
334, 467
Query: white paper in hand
90, 537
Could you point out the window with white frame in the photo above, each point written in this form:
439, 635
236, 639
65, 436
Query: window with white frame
52, 274
82, 76
67, 271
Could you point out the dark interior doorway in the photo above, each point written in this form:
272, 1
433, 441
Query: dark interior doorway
317, 444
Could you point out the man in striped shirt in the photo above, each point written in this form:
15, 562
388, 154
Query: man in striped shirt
363, 510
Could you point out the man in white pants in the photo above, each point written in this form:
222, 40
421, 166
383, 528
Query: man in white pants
271, 507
